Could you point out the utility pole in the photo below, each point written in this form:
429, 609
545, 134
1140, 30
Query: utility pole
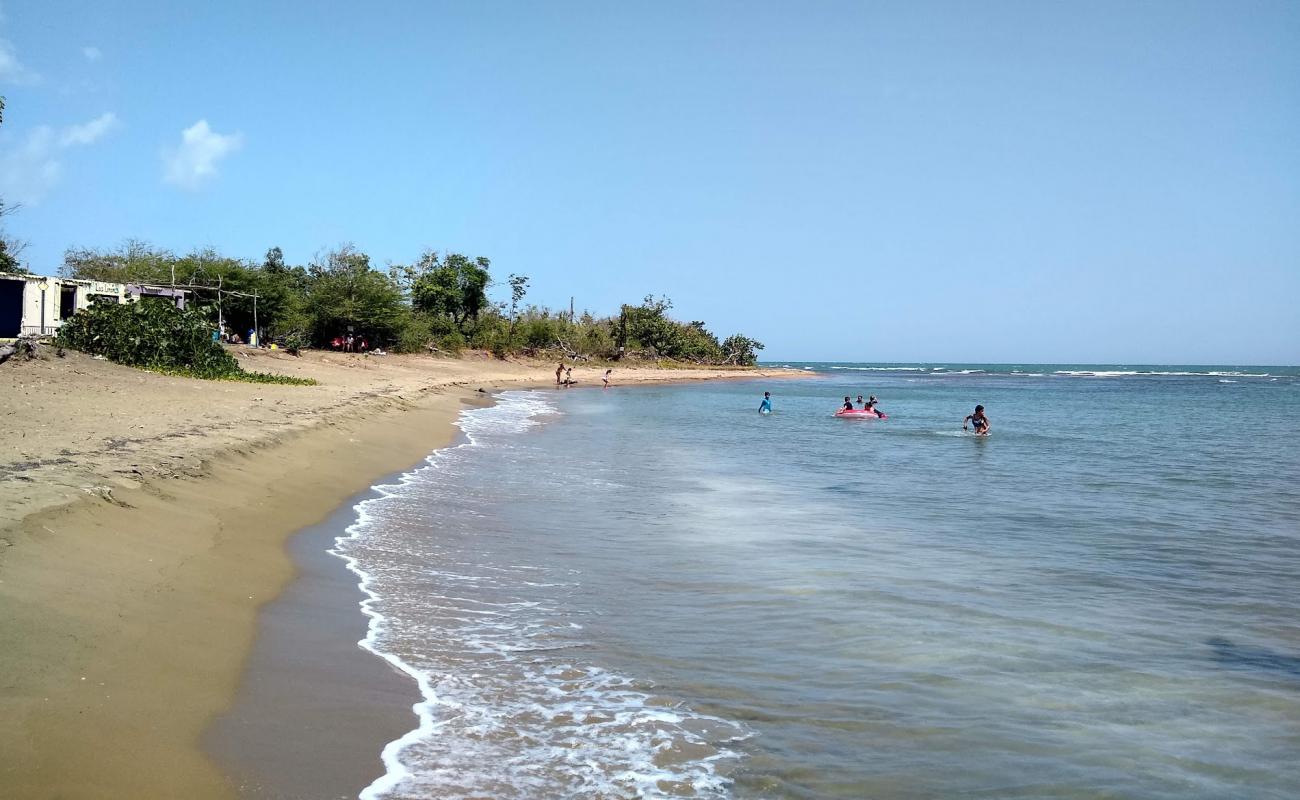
570, 309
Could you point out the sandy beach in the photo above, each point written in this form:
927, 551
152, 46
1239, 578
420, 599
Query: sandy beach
143, 522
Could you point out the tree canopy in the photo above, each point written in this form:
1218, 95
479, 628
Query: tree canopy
344, 295
455, 286
440, 300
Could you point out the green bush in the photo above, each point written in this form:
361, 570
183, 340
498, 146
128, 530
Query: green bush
160, 337
452, 342
597, 339
490, 332
538, 333
415, 335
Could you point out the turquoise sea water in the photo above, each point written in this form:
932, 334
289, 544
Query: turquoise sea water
655, 591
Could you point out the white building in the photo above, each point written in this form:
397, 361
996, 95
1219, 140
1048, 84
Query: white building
36, 304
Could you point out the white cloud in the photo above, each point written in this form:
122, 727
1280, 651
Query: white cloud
92, 53
89, 132
195, 160
29, 171
11, 69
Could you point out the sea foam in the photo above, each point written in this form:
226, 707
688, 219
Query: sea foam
510, 704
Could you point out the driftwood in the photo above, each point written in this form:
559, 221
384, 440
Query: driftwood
571, 352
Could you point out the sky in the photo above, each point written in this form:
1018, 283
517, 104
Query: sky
980, 182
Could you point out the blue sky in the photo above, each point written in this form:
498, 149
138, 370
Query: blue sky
1088, 182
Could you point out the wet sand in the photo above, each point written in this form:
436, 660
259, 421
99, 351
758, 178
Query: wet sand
314, 709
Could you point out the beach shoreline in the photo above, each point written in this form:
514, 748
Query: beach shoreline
306, 672
132, 572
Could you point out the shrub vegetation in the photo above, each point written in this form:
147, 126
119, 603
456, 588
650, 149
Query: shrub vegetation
440, 301
159, 337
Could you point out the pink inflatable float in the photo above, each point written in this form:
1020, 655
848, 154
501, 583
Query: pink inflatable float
860, 413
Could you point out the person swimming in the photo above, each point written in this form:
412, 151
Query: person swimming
861, 404
848, 404
765, 407
977, 421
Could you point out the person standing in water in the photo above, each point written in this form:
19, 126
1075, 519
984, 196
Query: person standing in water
861, 404
765, 407
978, 421
605, 378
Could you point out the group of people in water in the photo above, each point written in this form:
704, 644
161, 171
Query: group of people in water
868, 405
976, 419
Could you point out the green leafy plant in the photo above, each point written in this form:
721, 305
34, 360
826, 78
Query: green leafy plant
159, 337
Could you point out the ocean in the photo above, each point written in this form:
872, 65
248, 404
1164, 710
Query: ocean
658, 592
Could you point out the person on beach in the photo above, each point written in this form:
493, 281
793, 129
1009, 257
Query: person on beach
559, 372
848, 404
568, 377
765, 407
605, 377
978, 421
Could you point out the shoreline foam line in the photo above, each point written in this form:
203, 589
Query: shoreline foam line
626, 706
396, 771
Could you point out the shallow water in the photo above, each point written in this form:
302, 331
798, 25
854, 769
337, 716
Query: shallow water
658, 592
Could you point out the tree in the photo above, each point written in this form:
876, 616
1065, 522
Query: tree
8, 258
648, 326
455, 286
741, 350
697, 344
274, 260
518, 288
133, 261
344, 292
280, 291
